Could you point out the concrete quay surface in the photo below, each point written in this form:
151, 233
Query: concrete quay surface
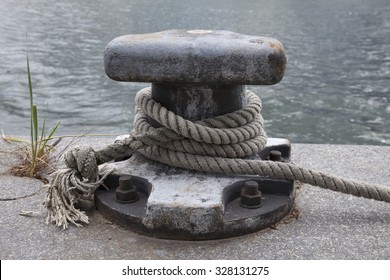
330, 225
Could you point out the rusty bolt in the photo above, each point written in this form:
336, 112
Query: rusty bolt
250, 195
275, 155
126, 192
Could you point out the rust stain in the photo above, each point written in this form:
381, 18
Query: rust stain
292, 216
277, 60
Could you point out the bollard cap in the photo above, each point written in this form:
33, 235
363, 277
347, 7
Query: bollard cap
195, 56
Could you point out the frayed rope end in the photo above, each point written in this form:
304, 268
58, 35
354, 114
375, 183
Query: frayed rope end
66, 188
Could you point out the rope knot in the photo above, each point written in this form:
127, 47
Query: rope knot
70, 185
83, 159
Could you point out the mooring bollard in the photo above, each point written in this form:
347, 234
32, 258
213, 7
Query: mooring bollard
197, 74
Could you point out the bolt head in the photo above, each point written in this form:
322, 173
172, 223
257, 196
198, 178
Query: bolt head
125, 182
275, 155
251, 188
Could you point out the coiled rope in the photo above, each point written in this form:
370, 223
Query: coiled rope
215, 145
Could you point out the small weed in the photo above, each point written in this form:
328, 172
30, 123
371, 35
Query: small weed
40, 150
34, 155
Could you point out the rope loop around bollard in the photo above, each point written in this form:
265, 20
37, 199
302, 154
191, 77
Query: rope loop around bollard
217, 145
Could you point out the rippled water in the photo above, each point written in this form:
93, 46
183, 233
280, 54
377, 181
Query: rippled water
336, 88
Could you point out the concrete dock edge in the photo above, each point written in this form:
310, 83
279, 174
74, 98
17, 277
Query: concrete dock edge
330, 226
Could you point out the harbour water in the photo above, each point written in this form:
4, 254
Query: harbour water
336, 87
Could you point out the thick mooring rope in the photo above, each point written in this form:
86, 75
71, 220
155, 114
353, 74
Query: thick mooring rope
215, 145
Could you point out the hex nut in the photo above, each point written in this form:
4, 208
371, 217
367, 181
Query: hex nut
127, 191
250, 195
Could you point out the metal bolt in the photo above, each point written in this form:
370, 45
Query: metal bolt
250, 195
275, 155
126, 192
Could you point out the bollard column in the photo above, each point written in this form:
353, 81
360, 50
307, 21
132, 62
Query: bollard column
197, 74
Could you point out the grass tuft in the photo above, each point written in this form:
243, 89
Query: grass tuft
34, 155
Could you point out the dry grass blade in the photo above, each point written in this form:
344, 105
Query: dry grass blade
27, 213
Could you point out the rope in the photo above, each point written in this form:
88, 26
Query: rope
217, 145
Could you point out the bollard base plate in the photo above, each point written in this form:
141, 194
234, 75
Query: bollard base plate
180, 204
